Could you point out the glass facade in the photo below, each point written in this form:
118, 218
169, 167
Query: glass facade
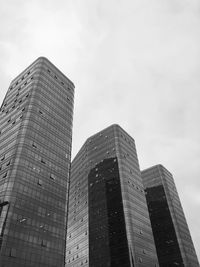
108, 245
35, 152
108, 221
172, 238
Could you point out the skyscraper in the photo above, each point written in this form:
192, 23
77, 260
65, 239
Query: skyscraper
108, 221
172, 237
35, 150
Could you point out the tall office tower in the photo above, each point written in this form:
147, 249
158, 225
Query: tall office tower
172, 237
35, 149
108, 221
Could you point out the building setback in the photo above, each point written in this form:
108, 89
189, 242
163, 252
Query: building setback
108, 220
35, 150
172, 237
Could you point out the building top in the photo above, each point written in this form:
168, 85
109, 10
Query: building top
158, 167
157, 175
114, 126
45, 60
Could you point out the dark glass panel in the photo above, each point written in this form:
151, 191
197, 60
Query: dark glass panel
167, 247
108, 244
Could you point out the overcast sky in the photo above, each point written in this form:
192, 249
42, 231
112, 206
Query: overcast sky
133, 62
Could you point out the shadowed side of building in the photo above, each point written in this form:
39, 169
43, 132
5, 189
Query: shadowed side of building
171, 234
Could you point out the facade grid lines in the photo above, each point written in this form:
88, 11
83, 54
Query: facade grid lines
108, 221
171, 234
35, 150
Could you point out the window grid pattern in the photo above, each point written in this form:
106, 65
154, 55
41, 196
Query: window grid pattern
35, 151
161, 193
103, 146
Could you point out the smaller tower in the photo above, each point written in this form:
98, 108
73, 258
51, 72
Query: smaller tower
171, 234
108, 221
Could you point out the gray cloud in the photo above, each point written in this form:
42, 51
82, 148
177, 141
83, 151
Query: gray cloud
135, 63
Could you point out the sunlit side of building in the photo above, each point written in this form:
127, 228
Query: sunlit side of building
35, 153
108, 220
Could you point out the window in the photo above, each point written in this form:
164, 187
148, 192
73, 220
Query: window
52, 176
40, 182
44, 243
13, 252
8, 163
4, 175
34, 145
22, 220
140, 259
3, 157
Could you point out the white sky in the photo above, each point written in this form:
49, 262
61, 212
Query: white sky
133, 62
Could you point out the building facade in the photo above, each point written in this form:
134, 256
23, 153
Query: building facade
172, 237
35, 153
108, 220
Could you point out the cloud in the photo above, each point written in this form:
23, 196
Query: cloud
135, 63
